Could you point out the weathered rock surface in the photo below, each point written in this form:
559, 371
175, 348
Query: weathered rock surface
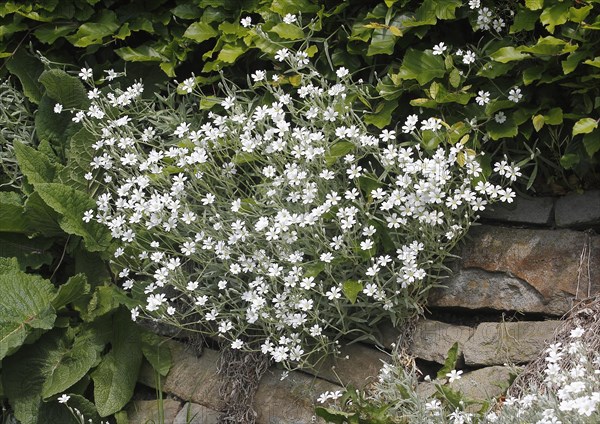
532, 211
357, 365
578, 210
433, 339
515, 342
192, 413
549, 261
289, 400
146, 411
483, 383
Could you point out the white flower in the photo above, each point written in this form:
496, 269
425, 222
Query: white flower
246, 22
86, 73
58, 108
474, 4
410, 124
259, 76
289, 18
282, 54
468, 57
514, 95
237, 344
326, 257
577, 332
454, 375
500, 117
63, 398
366, 244
483, 98
439, 48
188, 85
342, 72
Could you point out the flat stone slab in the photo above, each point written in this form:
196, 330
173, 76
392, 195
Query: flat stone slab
282, 400
146, 411
553, 263
508, 342
192, 413
432, 339
524, 210
578, 210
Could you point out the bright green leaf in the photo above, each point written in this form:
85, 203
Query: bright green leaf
554, 15
422, 66
73, 289
508, 54
288, 31
351, 289
591, 142
534, 4
584, 126
143, 53
450, 362
200, 31
383, 114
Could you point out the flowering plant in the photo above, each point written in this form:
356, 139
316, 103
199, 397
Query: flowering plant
278, 220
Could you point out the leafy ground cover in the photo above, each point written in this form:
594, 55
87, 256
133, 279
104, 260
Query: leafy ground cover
288, 171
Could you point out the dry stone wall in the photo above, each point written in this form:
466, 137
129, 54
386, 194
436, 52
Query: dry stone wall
519, 272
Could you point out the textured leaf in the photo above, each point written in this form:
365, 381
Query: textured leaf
584, 126
91, 33
116, 376
11, 213
383, 41
27, 69
49, 33
24, 307
43, 220
200, 31
71, 204
65, 89
31, 253
73, 289
554, 15
143, 53
52, 127
422, 66
383, 114
157, 352
103, 301
534, 4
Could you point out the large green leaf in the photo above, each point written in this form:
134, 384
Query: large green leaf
51, 127
422, 66
584, 126
89, 33
351, 289
143, 53
506, 129
27, 69
157, 352
33, 164
71, 204
73, 289
554, 15
383, 114
116, 376
383, 41
24, 307
65, 89
200, 31
31, 253
11, 213
288, 31
508, 54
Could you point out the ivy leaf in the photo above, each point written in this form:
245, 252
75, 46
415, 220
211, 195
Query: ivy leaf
116, 376
422, 66
351, 289
24, 308
584, 126
288, 31
508, 54
200, 31
554, 15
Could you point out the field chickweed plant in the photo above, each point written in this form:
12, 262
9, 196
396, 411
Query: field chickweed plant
277, 220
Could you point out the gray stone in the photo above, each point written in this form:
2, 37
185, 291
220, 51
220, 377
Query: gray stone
478, 289
555, 263
357, 364
433, 339
524, 210
147, 411
578, 210
484, 383
192, 413
513, 342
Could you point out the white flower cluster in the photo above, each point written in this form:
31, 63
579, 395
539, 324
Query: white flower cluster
270, 222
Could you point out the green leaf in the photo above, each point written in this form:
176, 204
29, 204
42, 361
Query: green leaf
337, 150
591, 142
554, 116
34, 165
508, 54
450, 362
200, 31
572, 61
230, 52
91, 33
595, 62
27, 69
538, 122
351, 289
51, 127
383, 114
584, 126
579, 14
32, 253
69, 361
157, 352
71, 204
335, 416
43, 220
103, 301
569, 160
383, 41
507, 129
525, 20
554, 15
288, 31
73, 289
24, 307
116, 376
12, 210
143, 53
65, 89
534, 4
422, 66
283, 7
549, 46
51, 32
